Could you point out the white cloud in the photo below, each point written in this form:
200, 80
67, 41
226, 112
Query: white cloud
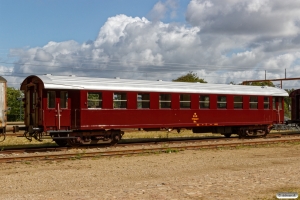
42, 55
5, 70
257, 5
161, 9
279, 63
244, 17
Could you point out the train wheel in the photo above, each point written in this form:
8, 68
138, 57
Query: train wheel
2, 137
61, 143
116, 137
242, 134
267, 131
227, 135
73, 142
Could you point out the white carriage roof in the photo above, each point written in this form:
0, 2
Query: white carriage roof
116, 84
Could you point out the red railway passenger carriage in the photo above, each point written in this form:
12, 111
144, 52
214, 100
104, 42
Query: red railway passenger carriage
85, 110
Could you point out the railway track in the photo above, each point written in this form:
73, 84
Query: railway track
64, 154
128, 142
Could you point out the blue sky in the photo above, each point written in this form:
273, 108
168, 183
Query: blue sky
222, 41
30, 23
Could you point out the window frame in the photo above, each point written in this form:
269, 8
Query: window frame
239, 101
122, 101
204, 101
65, 95
252, 102
54, 99
99, 100
279, 100
221, 101
182, 101
141, 102
165, 101
267, 103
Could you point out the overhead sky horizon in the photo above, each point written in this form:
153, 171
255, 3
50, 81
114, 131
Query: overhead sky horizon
222, 41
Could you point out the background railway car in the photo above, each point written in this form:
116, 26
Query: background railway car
3, 105
83, 110
295, 107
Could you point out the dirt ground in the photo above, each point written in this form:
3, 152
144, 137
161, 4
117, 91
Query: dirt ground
245, 173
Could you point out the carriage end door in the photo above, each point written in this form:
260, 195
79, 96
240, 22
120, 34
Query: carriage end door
32, 105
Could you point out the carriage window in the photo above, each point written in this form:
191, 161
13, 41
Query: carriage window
94, 99
185, 101
51, 99
279, 103
266, 103
164, 101
238, 102
120, 100
253, 102
204, 101
222, 102
143, 100
64, 99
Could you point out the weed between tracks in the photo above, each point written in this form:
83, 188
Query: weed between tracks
78, 156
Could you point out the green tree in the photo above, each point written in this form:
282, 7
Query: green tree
14, 104
189, 77
263, 83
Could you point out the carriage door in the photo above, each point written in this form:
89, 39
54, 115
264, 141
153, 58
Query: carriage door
277, 109
58, 117
33, 105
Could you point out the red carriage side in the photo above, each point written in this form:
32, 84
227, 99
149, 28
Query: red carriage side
82, 110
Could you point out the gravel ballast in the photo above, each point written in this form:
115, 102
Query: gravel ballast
246, 173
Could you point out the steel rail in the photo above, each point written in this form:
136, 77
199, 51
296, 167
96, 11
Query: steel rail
125, 142
70, 156
135, 142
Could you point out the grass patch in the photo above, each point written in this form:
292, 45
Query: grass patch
77, 157
165, 134
170, 150
22, 142
27, 162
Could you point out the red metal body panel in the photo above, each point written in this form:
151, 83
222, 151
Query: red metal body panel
108, 118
